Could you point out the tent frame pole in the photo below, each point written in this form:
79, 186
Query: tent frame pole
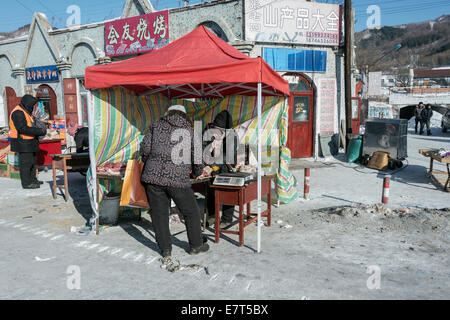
259, 106
93, 161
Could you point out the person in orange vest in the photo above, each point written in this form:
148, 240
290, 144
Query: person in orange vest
24, 135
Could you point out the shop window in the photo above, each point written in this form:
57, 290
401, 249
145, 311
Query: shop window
301, 109
46, 102
355, 104
44, 106
84, 103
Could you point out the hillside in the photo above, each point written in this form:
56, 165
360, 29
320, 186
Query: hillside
424, 45
22, 31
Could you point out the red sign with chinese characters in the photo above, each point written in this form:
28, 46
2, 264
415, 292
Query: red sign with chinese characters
137, 34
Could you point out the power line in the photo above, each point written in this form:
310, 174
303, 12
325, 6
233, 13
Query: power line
51, 11
402, 9
417, 5
24, 6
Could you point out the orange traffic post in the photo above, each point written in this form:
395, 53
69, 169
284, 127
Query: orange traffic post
386, 182
306, 187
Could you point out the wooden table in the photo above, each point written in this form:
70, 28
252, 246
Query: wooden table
65, 162
241, 196
443, 183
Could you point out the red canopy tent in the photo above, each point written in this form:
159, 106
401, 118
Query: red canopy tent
198, 64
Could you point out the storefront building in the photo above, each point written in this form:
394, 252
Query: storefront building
302, 40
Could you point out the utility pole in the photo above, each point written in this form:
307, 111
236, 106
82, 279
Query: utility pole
348, 65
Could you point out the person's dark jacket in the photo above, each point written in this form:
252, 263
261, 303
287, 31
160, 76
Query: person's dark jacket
426, 114
156, 150
81, 138
417, 113
20, 122
224, 121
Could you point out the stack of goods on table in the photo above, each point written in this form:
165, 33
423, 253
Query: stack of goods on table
443, 153
56, 130
117, 169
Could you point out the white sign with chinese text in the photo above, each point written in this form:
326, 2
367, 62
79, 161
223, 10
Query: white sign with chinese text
327, 94
292, 21
375, 83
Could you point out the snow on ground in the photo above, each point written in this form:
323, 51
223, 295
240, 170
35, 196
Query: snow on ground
339, 183
323, 248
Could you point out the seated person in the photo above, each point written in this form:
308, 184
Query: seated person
80, 135
220, 151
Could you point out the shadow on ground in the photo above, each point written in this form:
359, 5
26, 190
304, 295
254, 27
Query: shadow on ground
78, 193
412, 175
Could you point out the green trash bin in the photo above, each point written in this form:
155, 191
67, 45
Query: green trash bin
354, 150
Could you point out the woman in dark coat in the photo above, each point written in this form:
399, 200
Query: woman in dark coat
166, 176
221, 132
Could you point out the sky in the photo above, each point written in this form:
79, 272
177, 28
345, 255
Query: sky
17, 13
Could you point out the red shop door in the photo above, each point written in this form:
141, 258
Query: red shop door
301, 119
356, 115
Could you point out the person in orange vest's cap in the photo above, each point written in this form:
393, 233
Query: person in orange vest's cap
24, 135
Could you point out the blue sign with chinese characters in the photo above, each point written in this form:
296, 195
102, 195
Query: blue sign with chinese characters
42, 74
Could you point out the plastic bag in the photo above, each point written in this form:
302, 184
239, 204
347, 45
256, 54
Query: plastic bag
354, 149
133, 192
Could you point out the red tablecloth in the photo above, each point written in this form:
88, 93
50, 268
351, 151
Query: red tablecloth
47, 147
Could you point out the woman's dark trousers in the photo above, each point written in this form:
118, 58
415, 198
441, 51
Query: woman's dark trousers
184, 198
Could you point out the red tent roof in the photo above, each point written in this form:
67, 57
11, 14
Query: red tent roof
199, 64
